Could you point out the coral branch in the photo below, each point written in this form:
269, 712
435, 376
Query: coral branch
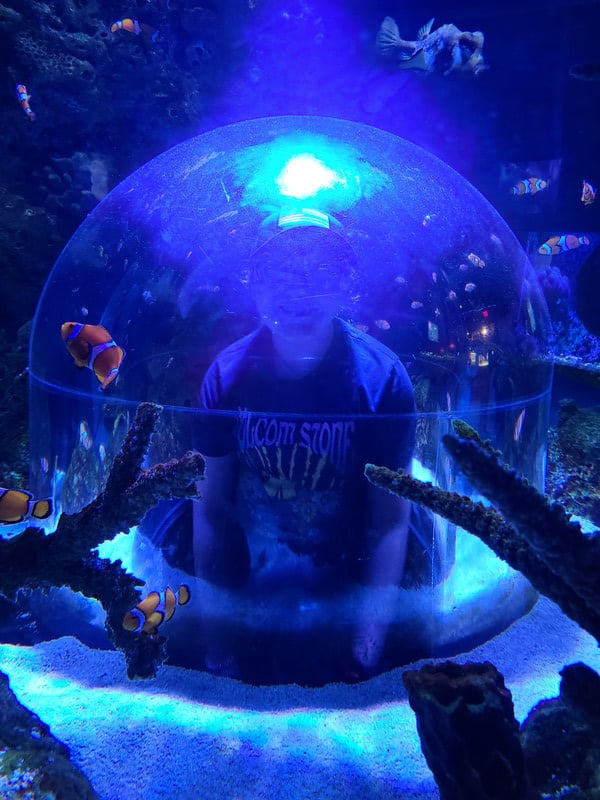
34, 763
531, 535
67, 558
545, 526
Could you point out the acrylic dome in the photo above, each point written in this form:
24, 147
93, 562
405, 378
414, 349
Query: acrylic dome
163, 263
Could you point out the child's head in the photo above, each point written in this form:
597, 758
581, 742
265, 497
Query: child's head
301, 277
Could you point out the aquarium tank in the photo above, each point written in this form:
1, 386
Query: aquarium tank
299, 400
174, 263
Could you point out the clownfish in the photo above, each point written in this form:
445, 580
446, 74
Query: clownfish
133, 26
529, 186
92, 346
475, 260
23, 97
17, 505
382, 324
155, 609
560, 244
588, 193
519, 425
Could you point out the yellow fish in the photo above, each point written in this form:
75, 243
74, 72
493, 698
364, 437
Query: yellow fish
17, 504
133, 26
155, 609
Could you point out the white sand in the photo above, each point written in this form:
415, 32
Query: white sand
189, 735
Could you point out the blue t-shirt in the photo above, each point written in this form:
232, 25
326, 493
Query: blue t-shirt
302, 443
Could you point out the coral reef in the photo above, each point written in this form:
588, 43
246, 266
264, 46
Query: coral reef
468, 731
14, 450
536, 537
104, 103
574, 461
561, 738
34, 765
574, 346
475, 749
68, 557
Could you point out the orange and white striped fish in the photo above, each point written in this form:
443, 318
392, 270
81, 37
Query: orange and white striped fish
24, 97
133, 26
560, 244
92, 346
529, 186
17, 505
155, 609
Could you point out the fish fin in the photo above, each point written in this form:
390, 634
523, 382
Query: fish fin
184, 594
42, 509
109, 378
416, 61
406, 56
388, 36
425, 30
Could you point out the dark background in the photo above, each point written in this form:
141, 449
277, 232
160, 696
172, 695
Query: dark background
106, 103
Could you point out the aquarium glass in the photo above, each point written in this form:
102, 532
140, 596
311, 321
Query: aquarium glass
165, 264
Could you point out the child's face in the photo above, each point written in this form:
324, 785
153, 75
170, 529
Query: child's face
299, 299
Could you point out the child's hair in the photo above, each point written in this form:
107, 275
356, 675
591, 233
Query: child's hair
331, 259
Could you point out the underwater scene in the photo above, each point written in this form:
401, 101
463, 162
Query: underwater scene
300, 400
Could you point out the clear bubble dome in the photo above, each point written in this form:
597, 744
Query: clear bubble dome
163, 263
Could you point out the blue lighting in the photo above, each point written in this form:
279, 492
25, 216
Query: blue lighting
304, 176
325, 170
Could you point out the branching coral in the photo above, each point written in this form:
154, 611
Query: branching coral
464, 714
533, 535
68, 557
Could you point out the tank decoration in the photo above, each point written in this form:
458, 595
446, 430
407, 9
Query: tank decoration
532, 534
33, 763
561, 737
67, 557
555, 753
536, 537
468, 731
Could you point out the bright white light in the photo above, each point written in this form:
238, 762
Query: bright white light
304, 176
